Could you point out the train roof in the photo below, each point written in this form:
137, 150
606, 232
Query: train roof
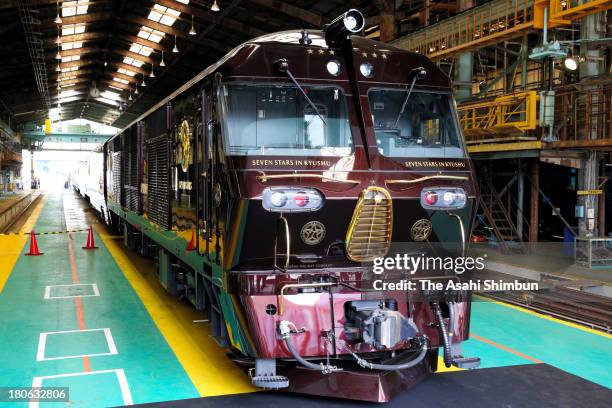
362, 45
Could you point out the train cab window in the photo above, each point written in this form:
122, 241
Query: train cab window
277, 120
425, 128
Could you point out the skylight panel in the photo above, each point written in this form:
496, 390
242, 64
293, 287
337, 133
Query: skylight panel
126, 72
110, 95
163, 15
67, 94
71, 58
70, 29
141, 49
115, 87
183, 1
120, 80
68, 78
150, 34
131, 61
70, 69
106, 101
74, 8
72, 45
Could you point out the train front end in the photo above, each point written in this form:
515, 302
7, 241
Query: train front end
346, 175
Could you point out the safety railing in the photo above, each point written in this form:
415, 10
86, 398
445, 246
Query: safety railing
474, 28
505, 117
564, 11
584, 115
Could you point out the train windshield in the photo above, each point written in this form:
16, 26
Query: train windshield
277, 120
425, 128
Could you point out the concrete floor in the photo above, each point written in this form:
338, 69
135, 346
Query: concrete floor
98, 322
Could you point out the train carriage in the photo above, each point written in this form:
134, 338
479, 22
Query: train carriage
266, 186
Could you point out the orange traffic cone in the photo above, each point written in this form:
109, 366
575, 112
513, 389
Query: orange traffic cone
191, 246
33, 246
90, 240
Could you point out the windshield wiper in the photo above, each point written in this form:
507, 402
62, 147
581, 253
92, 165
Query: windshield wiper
282, 66
415, 73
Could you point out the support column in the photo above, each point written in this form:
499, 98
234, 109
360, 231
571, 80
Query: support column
588, 174
520, 197
465, 62
535, 201
387, 20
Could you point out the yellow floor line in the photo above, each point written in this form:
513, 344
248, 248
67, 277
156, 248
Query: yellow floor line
210, 371
444, 369
11, 246
546, 317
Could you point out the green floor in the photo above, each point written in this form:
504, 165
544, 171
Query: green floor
138, 357
151, 369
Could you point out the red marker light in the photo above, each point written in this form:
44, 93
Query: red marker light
430, 198
300, 200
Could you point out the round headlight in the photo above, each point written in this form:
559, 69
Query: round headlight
367, 70
430, 197
333, 67
350, 22
449, 197
278, 199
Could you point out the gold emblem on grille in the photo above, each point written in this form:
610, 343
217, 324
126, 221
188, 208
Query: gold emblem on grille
184, 151
420, 230
369, 234
312, 232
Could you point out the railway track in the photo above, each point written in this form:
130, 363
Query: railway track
562, 302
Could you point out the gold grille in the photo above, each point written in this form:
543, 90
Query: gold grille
369, 234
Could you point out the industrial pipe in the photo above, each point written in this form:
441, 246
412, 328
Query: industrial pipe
448, 358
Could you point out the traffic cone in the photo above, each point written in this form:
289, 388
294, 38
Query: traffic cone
191, 246
33, 246
90, 239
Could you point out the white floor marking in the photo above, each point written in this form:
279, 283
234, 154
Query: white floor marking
40, 354
94, 287
126, 395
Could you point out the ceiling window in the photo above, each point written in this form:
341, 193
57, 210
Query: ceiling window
183, 1
141, 49
70, 29
74, 8
120, 80
110, 95
67, 94
71, 58
115, 87
163, 15
68, 78
106, 101
126, 72
70, 69
131, 61
150, 34
72, 45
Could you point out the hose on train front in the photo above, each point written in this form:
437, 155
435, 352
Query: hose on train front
448, 358
285, 333
393, 367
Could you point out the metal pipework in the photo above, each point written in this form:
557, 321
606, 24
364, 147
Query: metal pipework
462, 229
285, 332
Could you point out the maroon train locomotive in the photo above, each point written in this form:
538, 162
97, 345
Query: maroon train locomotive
266, 186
